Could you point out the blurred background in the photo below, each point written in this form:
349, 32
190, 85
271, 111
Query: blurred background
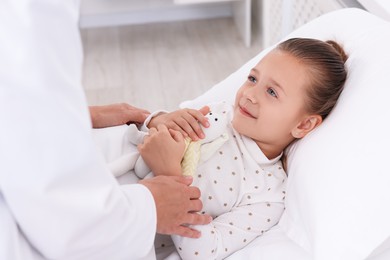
155, 54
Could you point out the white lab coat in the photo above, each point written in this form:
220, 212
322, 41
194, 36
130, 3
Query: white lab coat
57, 198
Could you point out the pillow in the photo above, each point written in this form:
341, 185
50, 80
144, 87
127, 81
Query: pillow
338, 192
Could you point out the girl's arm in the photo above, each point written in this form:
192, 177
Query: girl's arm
230, 232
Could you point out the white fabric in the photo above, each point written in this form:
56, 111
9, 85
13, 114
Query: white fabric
57, 198
338, 189
120, 152
273, 245
112, 143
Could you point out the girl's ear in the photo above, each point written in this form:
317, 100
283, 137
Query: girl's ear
306, 126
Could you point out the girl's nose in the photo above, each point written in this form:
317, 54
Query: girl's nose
249, 94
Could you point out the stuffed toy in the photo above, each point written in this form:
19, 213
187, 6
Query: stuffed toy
195, 152
200, 151
129, 159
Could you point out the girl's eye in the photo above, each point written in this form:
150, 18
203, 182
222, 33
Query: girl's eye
272, 92
252, 79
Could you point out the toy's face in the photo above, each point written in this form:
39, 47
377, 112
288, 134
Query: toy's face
217, 126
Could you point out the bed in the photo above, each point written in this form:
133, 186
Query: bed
338, 196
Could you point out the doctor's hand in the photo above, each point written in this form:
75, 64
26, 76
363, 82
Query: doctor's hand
163, 151
186, 121
176, 205
116, 114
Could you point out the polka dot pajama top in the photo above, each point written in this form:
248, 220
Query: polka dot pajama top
244, 193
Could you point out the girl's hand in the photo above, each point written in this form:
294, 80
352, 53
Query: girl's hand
163, 150
186, 121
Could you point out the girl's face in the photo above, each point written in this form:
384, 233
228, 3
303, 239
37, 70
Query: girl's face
269, 106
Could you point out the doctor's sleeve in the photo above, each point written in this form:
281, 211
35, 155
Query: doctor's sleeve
63, 199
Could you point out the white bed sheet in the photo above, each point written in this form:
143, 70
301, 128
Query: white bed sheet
273, 245
276, 245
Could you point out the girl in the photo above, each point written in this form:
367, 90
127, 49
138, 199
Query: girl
287, 95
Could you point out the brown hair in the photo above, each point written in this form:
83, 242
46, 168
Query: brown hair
327, 72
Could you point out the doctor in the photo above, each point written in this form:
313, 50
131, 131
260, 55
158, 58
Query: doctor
57, 198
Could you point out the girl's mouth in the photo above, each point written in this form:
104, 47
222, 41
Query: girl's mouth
245, 112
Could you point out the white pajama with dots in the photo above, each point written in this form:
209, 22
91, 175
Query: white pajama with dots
244, 193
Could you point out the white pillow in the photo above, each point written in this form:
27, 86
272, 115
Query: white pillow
338, 195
